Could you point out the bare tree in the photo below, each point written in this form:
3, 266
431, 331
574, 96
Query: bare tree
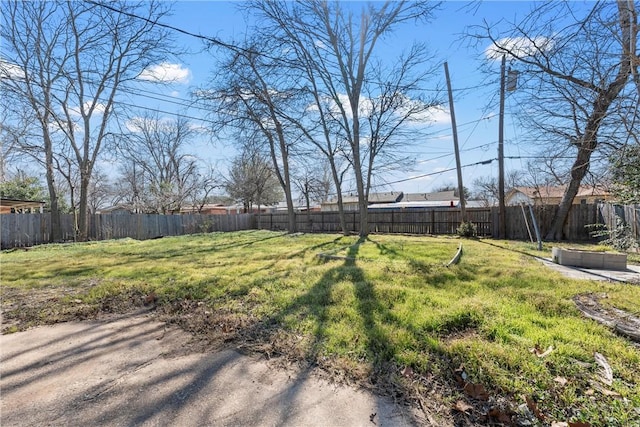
101, 192
207, 182
314, 184
130, 188
252, 180
485, 188
249, 95
67, 61
12, 136
162, 173
333, 52
575, 81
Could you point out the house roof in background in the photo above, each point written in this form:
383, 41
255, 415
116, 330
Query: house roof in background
387, 197
429, 197
418, 204
17, 203
549, 192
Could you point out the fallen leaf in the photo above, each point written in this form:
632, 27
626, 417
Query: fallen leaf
407, 372
609, 392
460, 376
476, 391
537, 350
605, 373
533, 407
561, 380
603, 390
579, 424
500, 416
151, 298
462, 406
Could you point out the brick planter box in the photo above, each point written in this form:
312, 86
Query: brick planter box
589, 259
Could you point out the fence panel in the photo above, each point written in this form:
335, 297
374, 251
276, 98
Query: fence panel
20, 230
632, 214
609, 214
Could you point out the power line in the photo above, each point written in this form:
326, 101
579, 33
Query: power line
539, 157
232, 47
212, 40
482, 162
168, 112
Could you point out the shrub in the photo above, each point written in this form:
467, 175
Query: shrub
620, 237
467, 229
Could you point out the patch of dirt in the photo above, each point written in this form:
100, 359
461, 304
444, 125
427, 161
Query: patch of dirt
439, 394
21, 309
218, 329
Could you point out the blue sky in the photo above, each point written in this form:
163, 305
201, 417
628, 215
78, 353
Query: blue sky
477, 127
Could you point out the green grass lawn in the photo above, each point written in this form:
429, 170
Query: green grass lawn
365, 310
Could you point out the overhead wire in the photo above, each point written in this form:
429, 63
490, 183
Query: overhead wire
215, 41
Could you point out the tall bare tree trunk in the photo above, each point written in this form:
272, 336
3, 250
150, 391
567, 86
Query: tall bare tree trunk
56, 219
338, 183
605, 98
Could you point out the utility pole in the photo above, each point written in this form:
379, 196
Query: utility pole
455, 145
501, 206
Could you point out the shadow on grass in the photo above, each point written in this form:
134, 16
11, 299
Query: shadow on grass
436, 274
153, 254
379, 349
316, 304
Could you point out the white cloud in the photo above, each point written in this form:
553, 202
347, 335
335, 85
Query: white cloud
99, 109
136, 124
320, 44
436, 115
330, 105
432, 115
518, 46
426, 162
417, 178
198, 128
55, 128
10, 71
166, 72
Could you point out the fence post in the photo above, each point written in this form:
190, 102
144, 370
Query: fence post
433, 222
392, 221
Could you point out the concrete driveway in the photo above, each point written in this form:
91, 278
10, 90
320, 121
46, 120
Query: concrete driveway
135, 371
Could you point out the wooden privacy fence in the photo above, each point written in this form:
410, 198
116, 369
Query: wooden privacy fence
629, 214
18, 230
409, 221
575, 229
446, 221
